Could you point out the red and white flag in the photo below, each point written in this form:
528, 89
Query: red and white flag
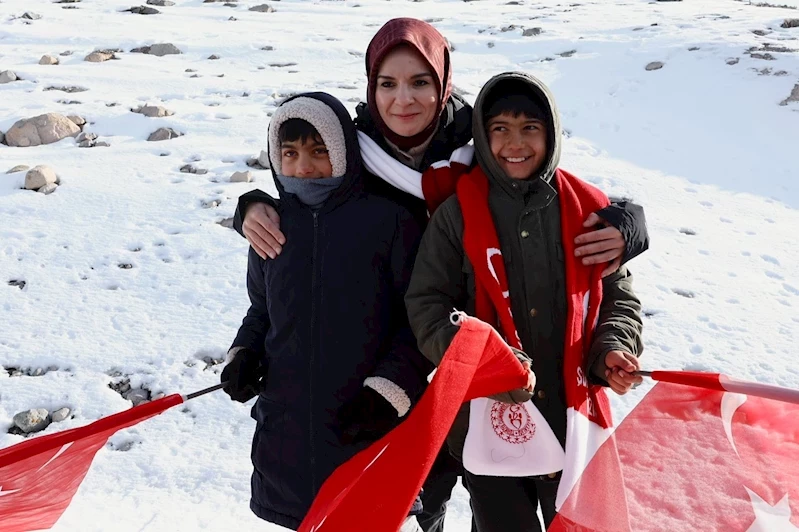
375, 489
39, 477
699, 452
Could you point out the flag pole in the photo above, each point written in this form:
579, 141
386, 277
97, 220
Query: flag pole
204, 391
723, 383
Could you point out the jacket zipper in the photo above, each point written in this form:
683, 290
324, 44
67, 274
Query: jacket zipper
311, 432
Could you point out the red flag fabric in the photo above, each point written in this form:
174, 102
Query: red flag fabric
696, 458
375, 489
39, 477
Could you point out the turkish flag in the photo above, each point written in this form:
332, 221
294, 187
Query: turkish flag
721, 457
376, 488
39, 477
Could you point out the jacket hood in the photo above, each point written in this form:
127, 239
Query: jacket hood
333, 122
542, 94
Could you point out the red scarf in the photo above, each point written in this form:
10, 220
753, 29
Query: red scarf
583, 283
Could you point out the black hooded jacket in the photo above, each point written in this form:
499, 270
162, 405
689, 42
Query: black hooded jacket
325, 315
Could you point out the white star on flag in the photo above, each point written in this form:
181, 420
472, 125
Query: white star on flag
770, 518
7, 492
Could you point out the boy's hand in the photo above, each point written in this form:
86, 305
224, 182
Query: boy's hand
243, 375
367, 417
619, 372
530, 377
261, 226
601, 245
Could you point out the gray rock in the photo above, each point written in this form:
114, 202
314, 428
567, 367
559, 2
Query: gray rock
263, 159
163, 49
191, 169
531, 32
29, 15
49, 188
101, 144
137, 396
163, 133
32, 420
18, 168
654, 65
159, 395
42, 129
66, 88
793, 97
7, 76
160, 3
60, 415
733, 61
241, 177
48, 60
86, 136
790, 23
143, 10
263, 8
99, 57
210, 204
213, 57
153, 111
141, 50
39, 176
2, 138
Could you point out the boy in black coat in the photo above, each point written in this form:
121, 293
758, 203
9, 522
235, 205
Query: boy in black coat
326, 343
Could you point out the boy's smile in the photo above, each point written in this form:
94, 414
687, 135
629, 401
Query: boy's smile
518, 143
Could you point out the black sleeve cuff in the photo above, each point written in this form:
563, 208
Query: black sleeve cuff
629, 219
245, 200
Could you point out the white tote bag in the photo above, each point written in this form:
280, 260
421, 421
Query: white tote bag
506, 440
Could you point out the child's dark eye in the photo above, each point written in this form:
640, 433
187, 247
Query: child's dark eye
387, 84
289, 153
320, 151
498, 129
533, 127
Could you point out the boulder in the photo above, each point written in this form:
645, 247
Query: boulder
263, 8
99, 57
163, 133
48, 60
163, 49
18, 168
241, 177
7, 76
32, 420
42, 129
39, 176
153, 111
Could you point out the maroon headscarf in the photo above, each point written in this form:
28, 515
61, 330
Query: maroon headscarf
432, 46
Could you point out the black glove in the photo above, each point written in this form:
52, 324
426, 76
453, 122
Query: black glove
368, 417
243, 375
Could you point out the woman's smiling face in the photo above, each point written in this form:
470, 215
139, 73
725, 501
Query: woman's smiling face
406, 95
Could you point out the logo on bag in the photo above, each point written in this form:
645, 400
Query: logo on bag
512, 423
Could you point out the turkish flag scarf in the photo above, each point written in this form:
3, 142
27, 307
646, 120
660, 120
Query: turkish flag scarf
588, 410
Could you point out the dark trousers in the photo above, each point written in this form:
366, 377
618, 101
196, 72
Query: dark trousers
508, 504
437, 491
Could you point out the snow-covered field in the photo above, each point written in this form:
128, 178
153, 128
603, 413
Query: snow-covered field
128, 274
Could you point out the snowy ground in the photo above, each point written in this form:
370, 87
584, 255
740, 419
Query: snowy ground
703, 144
